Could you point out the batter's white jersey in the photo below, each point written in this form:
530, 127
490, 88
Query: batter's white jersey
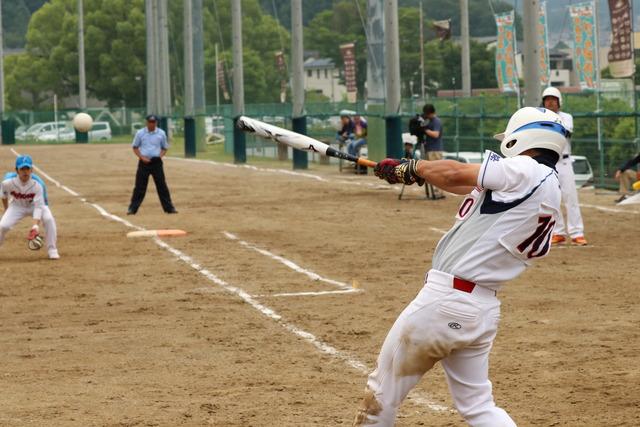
504, 223
28, 195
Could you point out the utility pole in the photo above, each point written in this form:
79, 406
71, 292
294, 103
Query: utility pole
163, 44
531, 71
151, 56
421, 53
1, 66
188, 59
81, 72
239, 142
217, 84
392, 79
198, 75
464, 34
300, 158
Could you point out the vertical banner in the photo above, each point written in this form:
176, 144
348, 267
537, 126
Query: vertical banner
281, 66
585, 44
222, 82
442, 29
348, 52
621, 61
506, 72
543, 46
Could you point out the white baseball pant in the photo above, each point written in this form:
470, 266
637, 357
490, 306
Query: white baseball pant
441, 324
15, 213
570, 201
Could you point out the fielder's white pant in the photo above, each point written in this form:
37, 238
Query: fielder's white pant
570, 201
441, 324
15, 213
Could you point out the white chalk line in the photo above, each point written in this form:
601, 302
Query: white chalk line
266, 311
291, 173
356, 183
438, 230
610, 210
310, 294
292, 265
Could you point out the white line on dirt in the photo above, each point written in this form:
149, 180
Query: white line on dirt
292, 173
266, 311
611, 210
357, 183
292, 265
302, 294
438, 230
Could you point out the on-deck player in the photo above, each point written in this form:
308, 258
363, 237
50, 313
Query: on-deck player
26, 195
552, 99
503, 224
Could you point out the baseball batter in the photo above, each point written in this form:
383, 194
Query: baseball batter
503, 224
25, 195
552, 99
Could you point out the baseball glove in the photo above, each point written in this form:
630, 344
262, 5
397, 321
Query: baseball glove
34, 240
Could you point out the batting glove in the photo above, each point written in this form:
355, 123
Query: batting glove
398, 171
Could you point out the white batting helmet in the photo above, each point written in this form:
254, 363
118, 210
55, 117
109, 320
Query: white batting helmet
531, 127
552, 91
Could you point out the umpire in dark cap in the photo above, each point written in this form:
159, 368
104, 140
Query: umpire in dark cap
150, 145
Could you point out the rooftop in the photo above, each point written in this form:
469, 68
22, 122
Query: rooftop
319, 63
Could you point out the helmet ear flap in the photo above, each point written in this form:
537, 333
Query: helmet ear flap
511, 143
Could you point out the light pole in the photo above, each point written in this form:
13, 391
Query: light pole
139, 80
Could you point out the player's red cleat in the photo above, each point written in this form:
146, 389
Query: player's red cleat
580, 241
558, 239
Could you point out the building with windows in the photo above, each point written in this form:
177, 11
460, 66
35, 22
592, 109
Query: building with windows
322, 75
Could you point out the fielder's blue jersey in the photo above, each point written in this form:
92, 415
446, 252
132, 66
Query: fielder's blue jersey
36, 178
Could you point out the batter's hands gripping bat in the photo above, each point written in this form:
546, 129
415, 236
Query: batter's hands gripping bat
296, 140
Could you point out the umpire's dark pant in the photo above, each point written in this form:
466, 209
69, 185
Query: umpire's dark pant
142, 179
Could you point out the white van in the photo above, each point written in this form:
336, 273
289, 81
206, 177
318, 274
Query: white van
101, 131
40, 130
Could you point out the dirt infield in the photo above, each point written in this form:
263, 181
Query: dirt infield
124, 332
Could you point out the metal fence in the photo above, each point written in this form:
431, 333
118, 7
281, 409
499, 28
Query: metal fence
607, 136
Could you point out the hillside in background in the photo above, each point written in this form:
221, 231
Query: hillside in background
15, 18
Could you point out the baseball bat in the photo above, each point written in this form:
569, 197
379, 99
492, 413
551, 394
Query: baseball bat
296, 140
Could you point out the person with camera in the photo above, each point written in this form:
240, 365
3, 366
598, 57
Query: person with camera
428, 129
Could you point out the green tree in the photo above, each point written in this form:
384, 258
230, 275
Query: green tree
331, 28
115, 52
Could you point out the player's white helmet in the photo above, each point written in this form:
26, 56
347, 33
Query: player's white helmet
552, 91
531, 127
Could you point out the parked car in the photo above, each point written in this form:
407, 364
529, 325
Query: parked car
581, 166
135, 127
20, 131
38, 130
100, 131
582, 170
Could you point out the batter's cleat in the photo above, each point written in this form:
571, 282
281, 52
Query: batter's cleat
558, 239
53, 254
580, 241
131, 212
622, 198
